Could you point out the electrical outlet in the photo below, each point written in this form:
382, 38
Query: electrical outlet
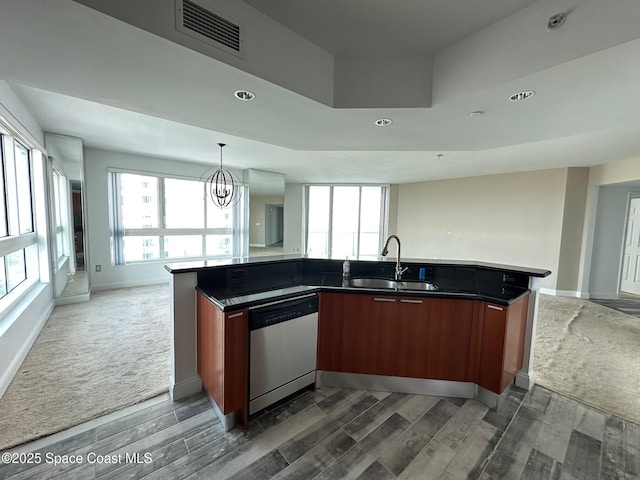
98, 268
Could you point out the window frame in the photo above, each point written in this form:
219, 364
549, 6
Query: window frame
60, 222
16, 242
384, 213
238, 231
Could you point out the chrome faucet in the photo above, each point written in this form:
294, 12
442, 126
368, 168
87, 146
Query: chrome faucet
385, 251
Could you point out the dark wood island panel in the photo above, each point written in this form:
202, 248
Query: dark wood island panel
223, 352
426, 338
503, 336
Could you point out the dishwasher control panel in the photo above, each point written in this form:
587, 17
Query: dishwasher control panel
266, 316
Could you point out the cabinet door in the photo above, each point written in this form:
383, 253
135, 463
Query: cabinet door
490, 375
236, 362
450, 322
514, 341
433, 338
211, 348
330, 323
502, 352
222, 356
412, 326
368, 334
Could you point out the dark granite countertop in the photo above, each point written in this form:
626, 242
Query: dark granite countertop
227, 302
237, 283
195, 266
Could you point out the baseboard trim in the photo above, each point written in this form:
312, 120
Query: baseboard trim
491, 399
82, 298
228, 421
605, 295
184, 388
563, 293
525, 380
115, 285
416, 386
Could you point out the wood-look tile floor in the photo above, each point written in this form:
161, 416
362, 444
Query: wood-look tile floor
339, 434
627, 303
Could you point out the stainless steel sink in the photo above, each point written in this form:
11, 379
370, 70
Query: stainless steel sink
391, 284
417, 286
374, 283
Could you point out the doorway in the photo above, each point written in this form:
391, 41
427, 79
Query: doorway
274, 231
630, 277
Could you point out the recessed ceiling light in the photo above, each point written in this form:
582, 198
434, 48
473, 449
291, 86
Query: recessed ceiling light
556, 21
477, 113
383, 122
245, 95
520, 96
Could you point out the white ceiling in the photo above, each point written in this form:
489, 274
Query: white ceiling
119, 87
363, 27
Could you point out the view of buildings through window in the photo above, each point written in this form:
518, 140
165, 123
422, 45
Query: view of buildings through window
18, 247
345, 221
163, 218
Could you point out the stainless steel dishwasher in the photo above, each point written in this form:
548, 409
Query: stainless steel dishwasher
283, 342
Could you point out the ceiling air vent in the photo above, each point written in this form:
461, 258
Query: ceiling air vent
198, 22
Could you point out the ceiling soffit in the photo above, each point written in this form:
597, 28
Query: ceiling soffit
380, 77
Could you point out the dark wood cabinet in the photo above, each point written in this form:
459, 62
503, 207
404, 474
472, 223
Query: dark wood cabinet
356, 333
422, 337
223, 357
412, 334
368, 334
330, 310
401, 336
502, 351
433, 338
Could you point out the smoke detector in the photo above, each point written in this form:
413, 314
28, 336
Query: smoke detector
556, 21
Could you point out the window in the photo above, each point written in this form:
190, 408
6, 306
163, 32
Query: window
18, 249
345, 221
23, 188
157, 218
60, 215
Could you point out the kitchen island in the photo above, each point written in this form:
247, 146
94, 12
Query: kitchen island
471, 337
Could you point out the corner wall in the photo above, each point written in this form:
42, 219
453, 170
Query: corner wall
293, 217
573, 219
511, 218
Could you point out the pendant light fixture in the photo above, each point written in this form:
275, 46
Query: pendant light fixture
222, 185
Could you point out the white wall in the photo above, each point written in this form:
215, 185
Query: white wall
513, 219
293, 218
606, 259
97, 163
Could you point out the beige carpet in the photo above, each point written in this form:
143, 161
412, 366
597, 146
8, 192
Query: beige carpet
589, 352
90, 359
